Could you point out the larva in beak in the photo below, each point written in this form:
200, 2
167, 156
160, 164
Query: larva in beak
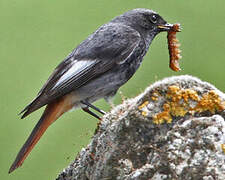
173, 46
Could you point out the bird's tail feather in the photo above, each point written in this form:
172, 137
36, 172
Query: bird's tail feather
52, 112
37, 103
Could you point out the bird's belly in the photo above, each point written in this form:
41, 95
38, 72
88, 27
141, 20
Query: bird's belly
105, 84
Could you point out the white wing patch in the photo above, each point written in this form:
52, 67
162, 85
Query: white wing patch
76, 68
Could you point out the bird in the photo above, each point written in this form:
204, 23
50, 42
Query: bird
95, 69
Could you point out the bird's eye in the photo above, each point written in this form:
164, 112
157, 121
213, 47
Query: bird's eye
153, 18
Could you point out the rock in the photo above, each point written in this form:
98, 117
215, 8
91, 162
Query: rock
174, 130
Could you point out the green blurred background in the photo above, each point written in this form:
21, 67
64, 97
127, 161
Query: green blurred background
36, 35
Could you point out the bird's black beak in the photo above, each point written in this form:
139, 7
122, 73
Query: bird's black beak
165, 27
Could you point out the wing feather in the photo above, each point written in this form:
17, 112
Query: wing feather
110, 45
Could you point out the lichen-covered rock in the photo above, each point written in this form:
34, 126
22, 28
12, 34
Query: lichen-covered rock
174, 130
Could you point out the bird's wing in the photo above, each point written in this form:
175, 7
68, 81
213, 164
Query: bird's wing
108, 46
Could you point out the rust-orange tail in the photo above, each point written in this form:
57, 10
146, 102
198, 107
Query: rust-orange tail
52, 112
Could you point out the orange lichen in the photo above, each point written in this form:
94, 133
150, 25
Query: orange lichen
223, 148
173, 47
178, 104
142, 108
210, 102
155, 96
143, 105
176, 94
163, 116
144, 113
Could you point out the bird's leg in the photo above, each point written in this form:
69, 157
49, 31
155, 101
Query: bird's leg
93, 107
122, 96
112, 105
110, 97
91, 113
109, 100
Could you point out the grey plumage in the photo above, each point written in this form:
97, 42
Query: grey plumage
103, 62
96, 69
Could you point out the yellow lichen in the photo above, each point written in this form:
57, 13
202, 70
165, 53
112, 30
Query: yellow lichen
163, 116
223, 148
210, 102
155, 96
177, 110
142, 108
178, 104
143, 105
144, 113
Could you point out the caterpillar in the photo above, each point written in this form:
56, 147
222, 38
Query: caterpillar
173, 46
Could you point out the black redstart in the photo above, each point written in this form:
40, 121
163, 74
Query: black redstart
96, 69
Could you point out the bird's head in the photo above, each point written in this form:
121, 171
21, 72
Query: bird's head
145, 21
